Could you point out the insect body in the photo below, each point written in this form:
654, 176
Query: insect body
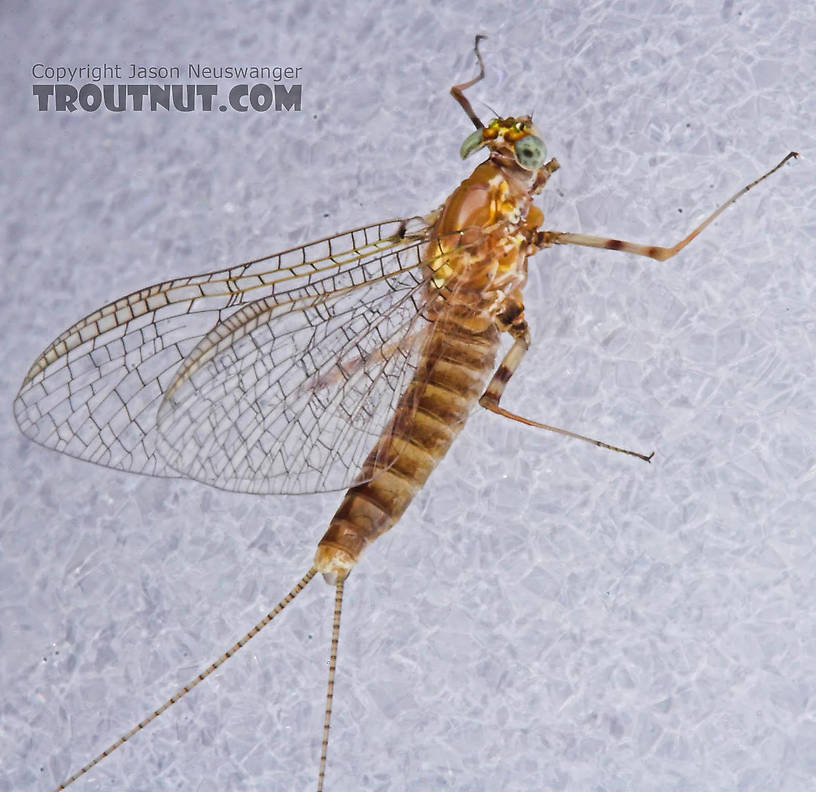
352, 361
478, 265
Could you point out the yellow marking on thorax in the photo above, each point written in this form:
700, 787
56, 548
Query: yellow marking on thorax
504, 210
442, 271
501, 207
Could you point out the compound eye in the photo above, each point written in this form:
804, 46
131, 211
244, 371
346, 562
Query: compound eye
530, 152
473, 141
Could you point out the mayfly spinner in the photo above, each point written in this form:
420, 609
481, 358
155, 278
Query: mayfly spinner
350, 362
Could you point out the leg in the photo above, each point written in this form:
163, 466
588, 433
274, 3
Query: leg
547, 238
546, 171
457, 90
492, 396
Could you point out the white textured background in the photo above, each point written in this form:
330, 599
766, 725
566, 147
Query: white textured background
547, 615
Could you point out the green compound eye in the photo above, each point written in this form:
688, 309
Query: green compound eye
530, 152
472, 142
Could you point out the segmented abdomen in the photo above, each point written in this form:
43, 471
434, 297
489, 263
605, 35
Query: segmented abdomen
455, 367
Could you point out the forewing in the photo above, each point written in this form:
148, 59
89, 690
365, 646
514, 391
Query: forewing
94, 393
290, 393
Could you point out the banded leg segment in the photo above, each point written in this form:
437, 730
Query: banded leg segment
548, 238
491, 397
458, 90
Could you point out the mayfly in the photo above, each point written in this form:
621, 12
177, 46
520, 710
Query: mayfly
350, 362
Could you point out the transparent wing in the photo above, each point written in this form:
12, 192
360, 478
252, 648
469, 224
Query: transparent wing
273, 376
290, 395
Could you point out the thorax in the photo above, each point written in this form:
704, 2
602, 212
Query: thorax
481, 241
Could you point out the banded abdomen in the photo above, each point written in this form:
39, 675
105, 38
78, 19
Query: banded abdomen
453, 372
